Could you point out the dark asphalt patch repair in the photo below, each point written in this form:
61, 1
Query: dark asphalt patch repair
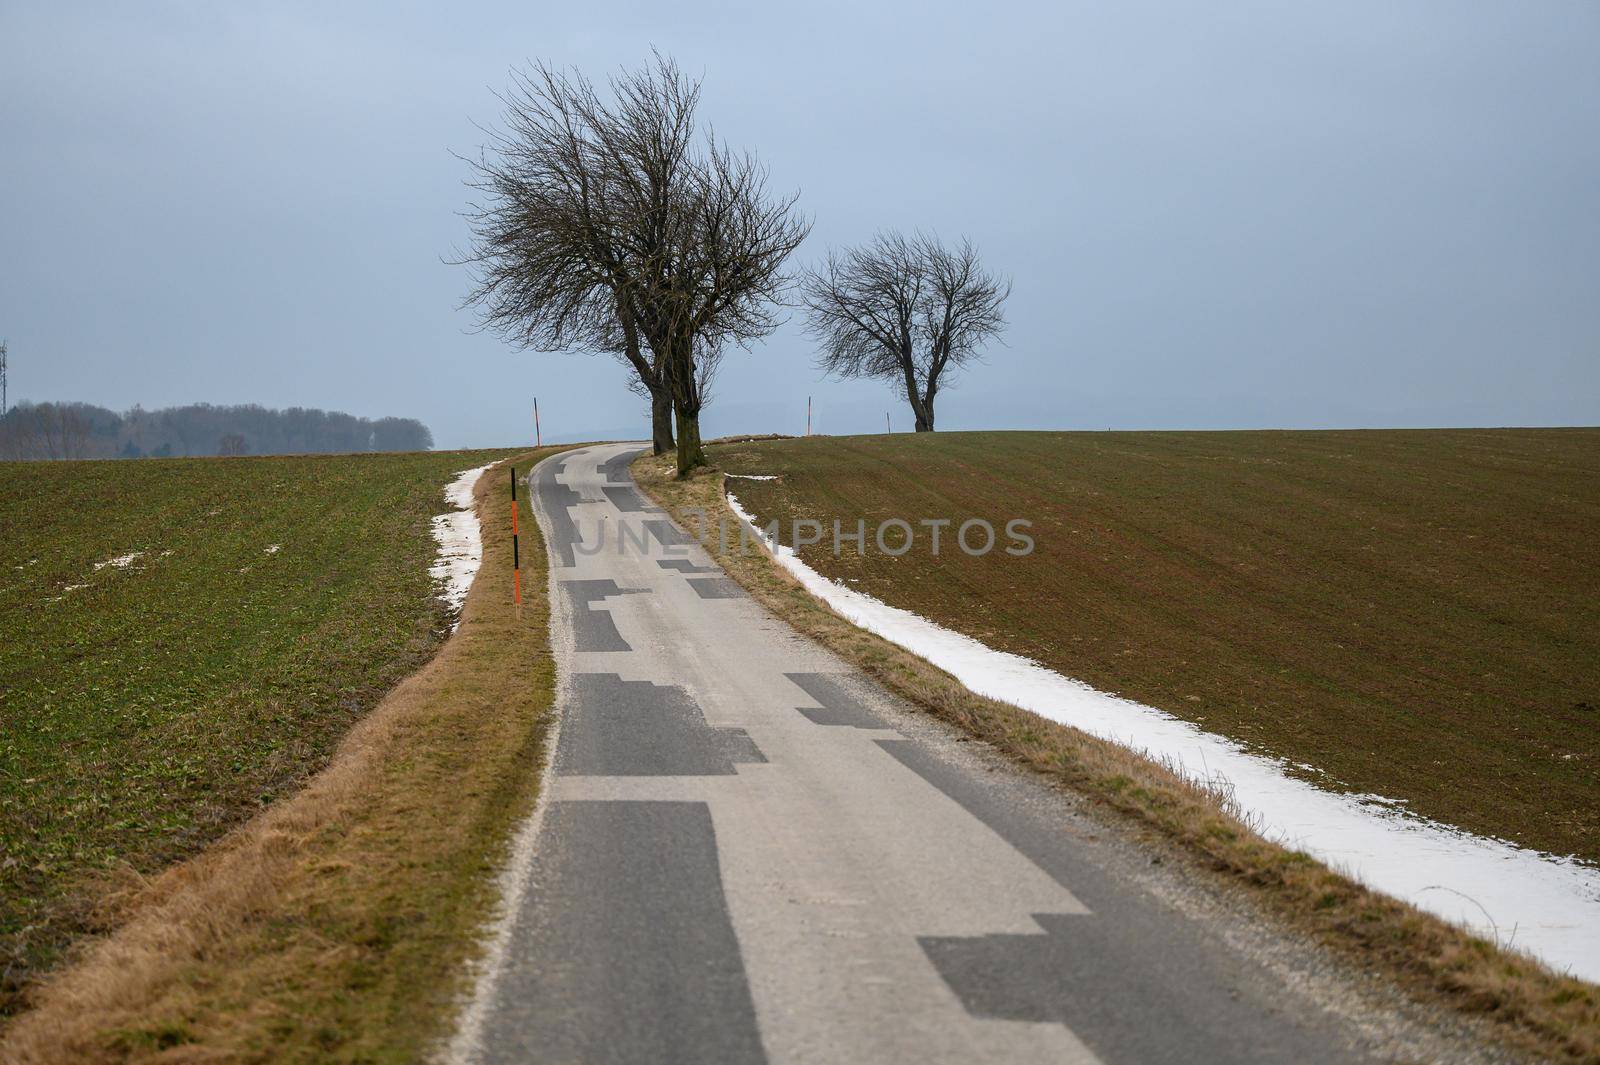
627, 499
837, 704
631, 902
1167, 968
620, 728
1060, 976
685, 566
557, 498
615, 468
666, 532
716, 588
595, 630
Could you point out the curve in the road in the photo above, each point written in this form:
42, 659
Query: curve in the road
747, 852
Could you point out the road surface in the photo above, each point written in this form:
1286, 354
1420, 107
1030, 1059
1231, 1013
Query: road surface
746, 852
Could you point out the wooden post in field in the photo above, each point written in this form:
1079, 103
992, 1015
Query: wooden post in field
538, 436
808, 415
516, 550
886, 426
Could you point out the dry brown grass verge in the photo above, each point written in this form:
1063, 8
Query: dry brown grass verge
1525, 1005
338, 924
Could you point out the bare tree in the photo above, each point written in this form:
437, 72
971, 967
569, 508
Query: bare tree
726, 282
550, 273
649, 381
603, 226
904, 309
47, 431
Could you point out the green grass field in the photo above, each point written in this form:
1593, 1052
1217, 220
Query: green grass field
147, 708
1414, 613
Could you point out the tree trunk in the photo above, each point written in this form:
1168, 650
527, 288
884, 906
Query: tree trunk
681, 383
690, 453
924, 403
921, 406
661, 421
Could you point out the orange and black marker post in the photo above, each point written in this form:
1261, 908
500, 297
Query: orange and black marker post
516, 551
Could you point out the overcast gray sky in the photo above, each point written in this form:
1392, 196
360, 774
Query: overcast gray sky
1215, 215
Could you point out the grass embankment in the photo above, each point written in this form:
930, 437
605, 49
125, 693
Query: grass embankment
1554, 1017
1414, 613
178, 700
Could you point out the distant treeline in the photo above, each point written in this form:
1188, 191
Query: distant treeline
84, 431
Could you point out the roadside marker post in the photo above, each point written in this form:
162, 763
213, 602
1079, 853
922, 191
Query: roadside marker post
808, 415
516, 550
538, 434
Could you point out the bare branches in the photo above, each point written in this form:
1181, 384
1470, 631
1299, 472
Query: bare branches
863, 306
905, 310
542, 239
46, 431
573, 207
729, 280
605, 225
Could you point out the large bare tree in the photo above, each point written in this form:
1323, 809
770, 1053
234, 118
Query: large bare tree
607, 224
904, 309
548, 266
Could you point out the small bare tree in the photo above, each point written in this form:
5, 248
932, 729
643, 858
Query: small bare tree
904, 309
603, 226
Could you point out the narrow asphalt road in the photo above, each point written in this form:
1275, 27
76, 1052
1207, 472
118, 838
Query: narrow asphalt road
747, 852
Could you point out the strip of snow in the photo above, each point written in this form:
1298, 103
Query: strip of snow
752, 476
121, 561
1544, 905
273, 549
460, 542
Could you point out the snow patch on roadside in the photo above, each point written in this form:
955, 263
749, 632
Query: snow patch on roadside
1544, 905
460, 540
752, 476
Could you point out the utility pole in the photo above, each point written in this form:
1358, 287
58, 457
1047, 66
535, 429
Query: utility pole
4, 407
886, 426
